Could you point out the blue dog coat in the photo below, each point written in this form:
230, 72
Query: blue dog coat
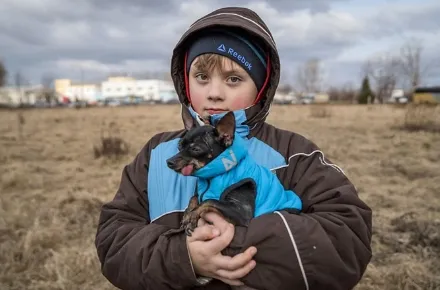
234, 165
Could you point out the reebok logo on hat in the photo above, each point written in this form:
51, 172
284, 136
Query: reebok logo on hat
222, 48
236, 55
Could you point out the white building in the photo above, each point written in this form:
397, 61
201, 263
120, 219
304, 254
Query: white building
148, 90
14, 96
398, 96
87, 92
117, 89
285, 98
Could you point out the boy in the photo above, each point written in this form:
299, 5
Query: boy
228, 61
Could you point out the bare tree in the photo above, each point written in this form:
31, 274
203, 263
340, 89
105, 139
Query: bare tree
410, 62
344, 93
309, 76
383, 71
412, 66
3, 74
285, 88
19, 81
48, 93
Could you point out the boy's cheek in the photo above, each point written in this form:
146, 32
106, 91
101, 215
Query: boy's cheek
240, 103
197, 106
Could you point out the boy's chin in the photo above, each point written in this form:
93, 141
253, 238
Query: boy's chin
205, 117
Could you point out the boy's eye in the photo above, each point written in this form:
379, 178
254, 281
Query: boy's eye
234, 79
201, 77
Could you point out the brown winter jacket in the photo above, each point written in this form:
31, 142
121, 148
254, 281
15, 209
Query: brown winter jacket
326, 246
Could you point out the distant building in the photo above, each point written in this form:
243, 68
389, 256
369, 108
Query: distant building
285, 98
14, 96
313, 98
426, 95
87, 92
117, 88
321, 98
397, 96
148, 90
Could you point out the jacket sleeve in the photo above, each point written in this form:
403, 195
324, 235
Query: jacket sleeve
134, 253
326, 246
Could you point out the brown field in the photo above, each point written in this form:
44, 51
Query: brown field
52, 187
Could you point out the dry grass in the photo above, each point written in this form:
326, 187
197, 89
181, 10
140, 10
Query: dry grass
111, 144
422, 118
52, 188
320, 111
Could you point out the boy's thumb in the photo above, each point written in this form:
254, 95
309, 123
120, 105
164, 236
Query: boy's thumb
215, 232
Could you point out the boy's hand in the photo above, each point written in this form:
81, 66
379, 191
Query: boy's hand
205, 246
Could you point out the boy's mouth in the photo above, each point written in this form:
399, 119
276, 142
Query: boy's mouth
213, 111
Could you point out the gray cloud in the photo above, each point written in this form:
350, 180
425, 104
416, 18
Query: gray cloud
168, 6
399, 19
135, 35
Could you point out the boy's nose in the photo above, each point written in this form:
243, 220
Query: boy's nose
215, 98
215, 94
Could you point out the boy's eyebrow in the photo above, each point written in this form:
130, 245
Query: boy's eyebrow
199, 69
222, 71
230, 71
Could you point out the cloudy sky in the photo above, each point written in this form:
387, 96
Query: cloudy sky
98, 37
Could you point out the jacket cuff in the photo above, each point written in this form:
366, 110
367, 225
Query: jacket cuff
201, 280
181, 265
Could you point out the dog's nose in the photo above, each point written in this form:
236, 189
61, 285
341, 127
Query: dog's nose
171, 162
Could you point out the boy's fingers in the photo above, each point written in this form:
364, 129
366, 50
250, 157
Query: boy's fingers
237, 262
242, 259
238, 273
204, 233
218, 244
215, 219
251, 251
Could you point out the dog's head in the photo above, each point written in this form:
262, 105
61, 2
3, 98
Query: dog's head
202, 144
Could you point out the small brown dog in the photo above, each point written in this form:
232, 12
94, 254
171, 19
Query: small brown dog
231, 183
197, 149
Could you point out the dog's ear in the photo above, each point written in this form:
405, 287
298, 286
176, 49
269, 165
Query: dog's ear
226, 128
189, 121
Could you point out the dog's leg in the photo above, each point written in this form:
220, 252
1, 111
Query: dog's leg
229, 211
236, 205
242, 196
187, 215
192, 217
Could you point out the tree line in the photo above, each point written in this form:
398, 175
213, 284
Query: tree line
380, 75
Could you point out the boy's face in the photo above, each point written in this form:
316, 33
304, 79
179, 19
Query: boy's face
217, 84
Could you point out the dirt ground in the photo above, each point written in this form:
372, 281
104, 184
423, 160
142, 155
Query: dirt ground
52, 187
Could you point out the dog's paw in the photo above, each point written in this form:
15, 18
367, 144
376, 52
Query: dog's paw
189, 222
189, 230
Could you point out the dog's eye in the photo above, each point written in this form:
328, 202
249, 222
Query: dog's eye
196, 150
180, 145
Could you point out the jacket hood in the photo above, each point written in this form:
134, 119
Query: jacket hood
233, 18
